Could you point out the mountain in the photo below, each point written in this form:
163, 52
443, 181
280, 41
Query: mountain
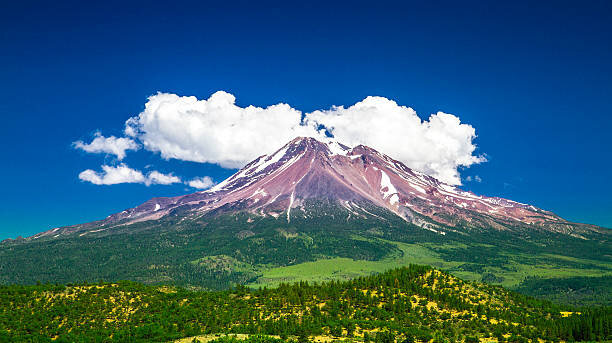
318, 211
305, 168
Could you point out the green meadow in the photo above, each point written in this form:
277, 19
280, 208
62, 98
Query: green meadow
511, 274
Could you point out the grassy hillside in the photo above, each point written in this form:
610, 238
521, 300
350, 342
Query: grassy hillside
410, 303
215, 253
588, 282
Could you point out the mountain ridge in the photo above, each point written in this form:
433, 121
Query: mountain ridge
305, 168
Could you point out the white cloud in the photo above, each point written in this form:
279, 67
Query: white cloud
437, 146
112, 175
214, 130
157, 178
109, 145
218, 131
201, 182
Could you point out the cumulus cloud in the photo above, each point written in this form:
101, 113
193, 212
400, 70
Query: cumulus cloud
216, 130
437, 146
157, 178
201, 182
112, 175
109, 145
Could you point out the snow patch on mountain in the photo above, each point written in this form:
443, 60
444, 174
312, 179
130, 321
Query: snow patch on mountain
394, 199
336, 148
272, 159
291, 199
418, 188
386, 187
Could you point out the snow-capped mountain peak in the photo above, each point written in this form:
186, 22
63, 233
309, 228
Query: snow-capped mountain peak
307, 169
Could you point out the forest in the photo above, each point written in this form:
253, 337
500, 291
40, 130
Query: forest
219, 251
408, 304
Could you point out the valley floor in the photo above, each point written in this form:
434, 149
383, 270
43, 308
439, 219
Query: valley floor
511, 274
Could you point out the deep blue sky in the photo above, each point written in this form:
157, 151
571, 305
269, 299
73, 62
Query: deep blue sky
535, 80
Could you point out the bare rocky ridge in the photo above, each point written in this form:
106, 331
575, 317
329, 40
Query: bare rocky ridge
305, 168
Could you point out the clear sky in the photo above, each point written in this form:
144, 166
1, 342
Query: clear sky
534, 79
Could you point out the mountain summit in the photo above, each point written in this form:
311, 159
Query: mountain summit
284, 183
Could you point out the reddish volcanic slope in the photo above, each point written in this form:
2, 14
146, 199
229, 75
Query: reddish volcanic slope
305, 168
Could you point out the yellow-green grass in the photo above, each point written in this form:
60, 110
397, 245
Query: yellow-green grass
212, 337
